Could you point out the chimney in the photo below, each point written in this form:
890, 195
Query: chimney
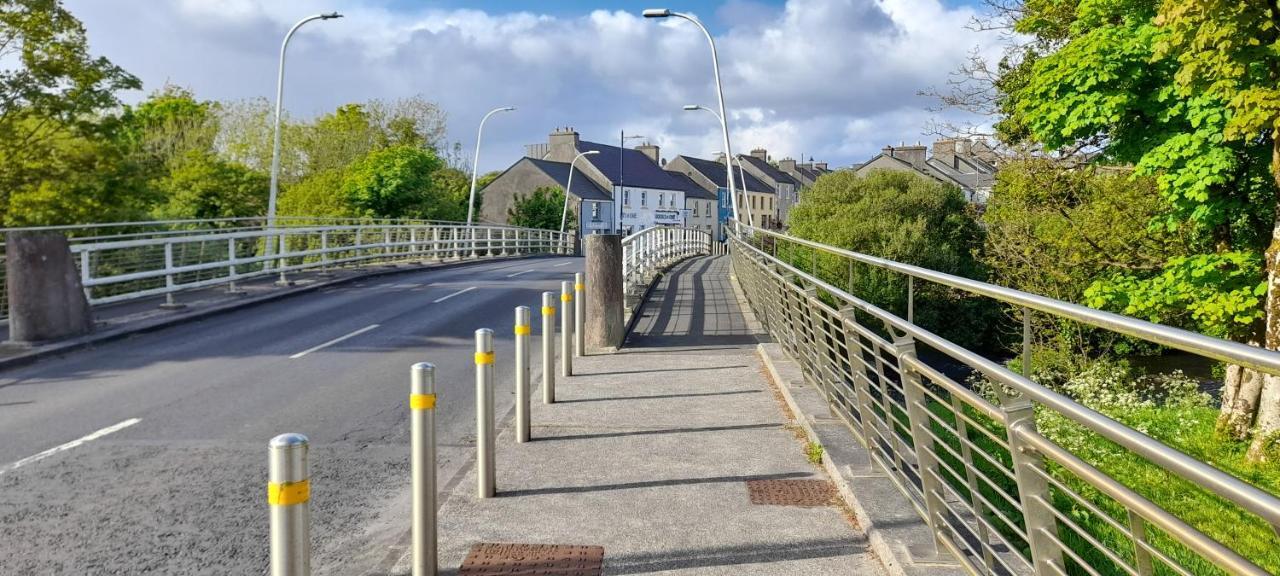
563, 145
760, 153
915, 155
720, 157
945, 151
821, 166
787, 165
649, 150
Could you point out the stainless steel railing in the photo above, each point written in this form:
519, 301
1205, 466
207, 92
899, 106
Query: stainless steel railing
166, 258
999, 493
650, 250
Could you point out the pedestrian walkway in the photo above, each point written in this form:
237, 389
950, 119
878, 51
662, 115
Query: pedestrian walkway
656, 453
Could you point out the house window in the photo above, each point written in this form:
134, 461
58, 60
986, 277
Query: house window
695, 208
662, 199
595, 211
626, 197
644, 198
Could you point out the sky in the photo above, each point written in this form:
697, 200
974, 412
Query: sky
834, 80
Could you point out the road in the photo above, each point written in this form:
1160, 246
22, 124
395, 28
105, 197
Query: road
148, 455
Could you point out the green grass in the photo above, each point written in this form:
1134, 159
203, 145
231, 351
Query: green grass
1189, 429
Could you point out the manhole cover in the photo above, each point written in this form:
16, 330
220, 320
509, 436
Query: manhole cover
532, 560
791, 492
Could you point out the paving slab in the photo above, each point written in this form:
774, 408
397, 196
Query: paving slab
648, 453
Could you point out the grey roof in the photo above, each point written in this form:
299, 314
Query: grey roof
691, 189
583, 187
809, 173
773, 173
639, 170
714, 171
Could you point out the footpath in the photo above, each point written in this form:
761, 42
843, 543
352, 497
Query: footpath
674, 455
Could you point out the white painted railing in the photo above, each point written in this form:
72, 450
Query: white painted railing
166, 260
649, 251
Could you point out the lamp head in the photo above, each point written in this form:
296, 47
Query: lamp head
590, 152
508, 108
657, 13
691, 107
330, 16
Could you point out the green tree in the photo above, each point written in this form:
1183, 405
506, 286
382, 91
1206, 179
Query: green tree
905, 217
394, 182
1142, 88
50, 99
203, 186
541, 208
168, 125
80, 179
318, 195
1227, 52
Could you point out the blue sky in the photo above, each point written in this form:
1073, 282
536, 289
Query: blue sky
832, 79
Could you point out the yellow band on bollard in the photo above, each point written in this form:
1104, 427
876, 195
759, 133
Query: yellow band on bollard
566, 297
422, 401
523, 330
548, 310
288, 493
579, 287
484, 357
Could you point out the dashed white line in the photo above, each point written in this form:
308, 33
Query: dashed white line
518, 273
334, 341
462, 291
69, 445
562, 264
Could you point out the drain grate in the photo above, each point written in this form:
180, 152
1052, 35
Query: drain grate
533, 560
791, 492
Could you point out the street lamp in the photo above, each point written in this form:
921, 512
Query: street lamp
622, 153
564, 215
715, 67
275, 147
475, 168
742, 177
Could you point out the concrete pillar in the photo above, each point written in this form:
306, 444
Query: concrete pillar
603, 327
46, 299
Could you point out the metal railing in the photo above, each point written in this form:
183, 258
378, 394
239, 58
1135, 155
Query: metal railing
998, 492
650, 250
149, 259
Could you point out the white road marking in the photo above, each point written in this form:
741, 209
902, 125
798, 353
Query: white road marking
462, 291
562, 264
334, 341
70, 445
518, 273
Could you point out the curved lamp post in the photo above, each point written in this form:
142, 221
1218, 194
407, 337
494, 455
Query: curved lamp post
475, 166
564, 215
275, 146
742, 177
715, 67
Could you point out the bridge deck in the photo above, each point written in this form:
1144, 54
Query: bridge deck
650, 450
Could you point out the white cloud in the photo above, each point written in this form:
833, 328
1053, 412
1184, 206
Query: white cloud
834, 79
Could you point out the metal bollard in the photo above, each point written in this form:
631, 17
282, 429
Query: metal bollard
484, 414
289, 495
566, 329
579, 312
422, 458
522, 331
548, 347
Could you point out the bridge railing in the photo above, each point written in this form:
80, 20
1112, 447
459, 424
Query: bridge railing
156, 258
1000, 491
650, 250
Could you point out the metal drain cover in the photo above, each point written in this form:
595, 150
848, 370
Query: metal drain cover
533, 560
791, 492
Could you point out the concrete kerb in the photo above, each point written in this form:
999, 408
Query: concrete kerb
151, 325
892, 525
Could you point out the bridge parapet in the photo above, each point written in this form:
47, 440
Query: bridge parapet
999, 493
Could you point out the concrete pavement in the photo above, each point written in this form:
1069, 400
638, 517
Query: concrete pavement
649, 453
179, 488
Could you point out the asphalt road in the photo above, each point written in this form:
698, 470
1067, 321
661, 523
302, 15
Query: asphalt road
170, 472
